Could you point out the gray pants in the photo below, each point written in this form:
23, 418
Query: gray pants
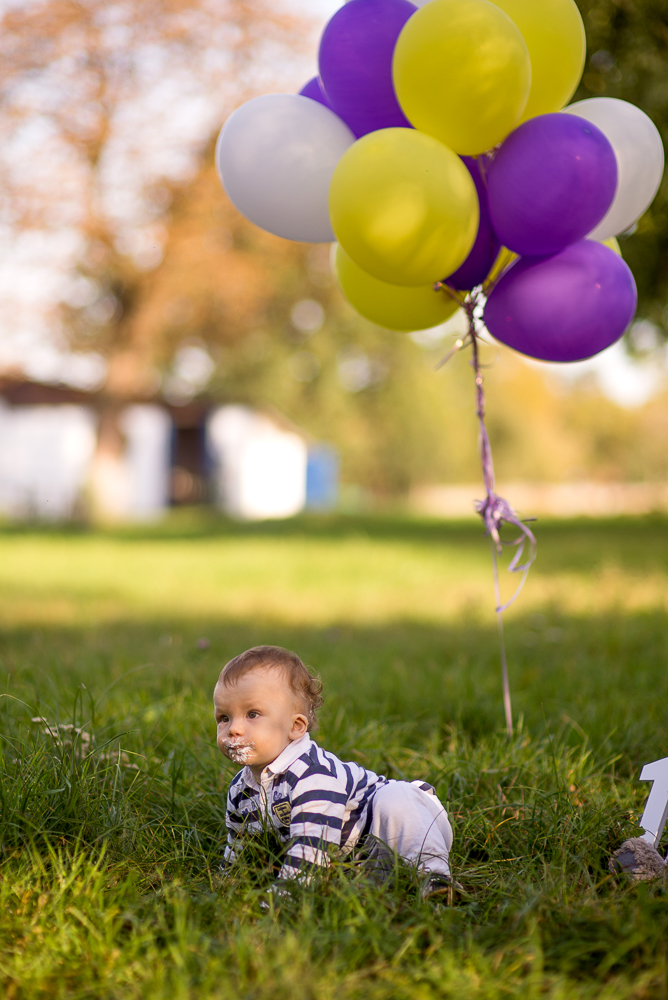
412, 823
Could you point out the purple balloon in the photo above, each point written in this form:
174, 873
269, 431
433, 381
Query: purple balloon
567, 307
550, 184
315, 90
485, 250
355, 61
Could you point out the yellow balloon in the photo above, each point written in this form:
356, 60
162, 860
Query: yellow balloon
613, 244
462, 73
555, 37
396, 307
403, 206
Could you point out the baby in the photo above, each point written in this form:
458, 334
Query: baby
266, 702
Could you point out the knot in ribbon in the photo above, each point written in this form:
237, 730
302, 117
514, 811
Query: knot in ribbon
495, 512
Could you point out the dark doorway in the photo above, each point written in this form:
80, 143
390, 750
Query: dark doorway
189, 479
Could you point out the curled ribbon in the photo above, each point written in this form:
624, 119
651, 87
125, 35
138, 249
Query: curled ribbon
495, 511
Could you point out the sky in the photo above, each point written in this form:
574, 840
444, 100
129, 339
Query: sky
324, 8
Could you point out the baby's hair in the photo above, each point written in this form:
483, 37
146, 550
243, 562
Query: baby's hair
301, 680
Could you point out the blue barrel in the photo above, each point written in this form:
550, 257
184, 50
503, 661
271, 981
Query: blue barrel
322, 477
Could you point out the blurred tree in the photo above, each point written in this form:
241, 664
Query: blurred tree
627, 42
101, 102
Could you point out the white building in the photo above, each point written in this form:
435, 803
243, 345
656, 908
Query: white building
252, 465
135, 484
260, 465
45, 457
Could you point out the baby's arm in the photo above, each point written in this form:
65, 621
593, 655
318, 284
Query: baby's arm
318, 804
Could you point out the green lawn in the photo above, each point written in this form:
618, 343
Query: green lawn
111, 836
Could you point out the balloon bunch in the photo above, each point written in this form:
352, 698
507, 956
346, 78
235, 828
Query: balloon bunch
435, 147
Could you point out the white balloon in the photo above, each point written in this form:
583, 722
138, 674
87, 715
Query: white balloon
275, 156
639, 151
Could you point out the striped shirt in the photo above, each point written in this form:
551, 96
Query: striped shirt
310, 799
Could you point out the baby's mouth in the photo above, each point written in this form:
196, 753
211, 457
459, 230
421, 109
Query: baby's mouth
238, 750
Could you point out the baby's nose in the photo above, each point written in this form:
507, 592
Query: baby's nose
236, 727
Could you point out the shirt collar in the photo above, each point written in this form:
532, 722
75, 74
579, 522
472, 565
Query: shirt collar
288, 756
285, 758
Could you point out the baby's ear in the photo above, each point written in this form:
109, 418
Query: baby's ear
299, 726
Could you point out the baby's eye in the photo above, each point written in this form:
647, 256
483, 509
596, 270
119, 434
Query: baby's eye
253, 714
223, 718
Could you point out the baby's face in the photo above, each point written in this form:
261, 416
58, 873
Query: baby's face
257, 717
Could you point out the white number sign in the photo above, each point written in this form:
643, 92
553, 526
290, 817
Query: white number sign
656, 811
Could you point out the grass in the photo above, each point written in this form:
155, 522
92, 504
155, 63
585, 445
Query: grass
112, 808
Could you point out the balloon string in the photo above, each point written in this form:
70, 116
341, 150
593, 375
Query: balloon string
507, 705
495, 511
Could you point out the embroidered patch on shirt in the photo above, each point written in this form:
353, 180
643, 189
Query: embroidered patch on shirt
282, 811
